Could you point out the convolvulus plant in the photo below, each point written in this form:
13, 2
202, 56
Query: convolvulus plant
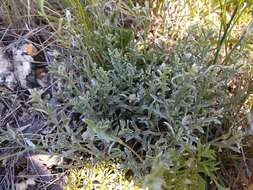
164, 114
137, 113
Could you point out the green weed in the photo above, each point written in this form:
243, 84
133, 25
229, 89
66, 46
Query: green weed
122, 91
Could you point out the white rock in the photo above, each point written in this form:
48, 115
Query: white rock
6, 75
22, 65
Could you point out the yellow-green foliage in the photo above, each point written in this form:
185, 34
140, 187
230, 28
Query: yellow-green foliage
101, 176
